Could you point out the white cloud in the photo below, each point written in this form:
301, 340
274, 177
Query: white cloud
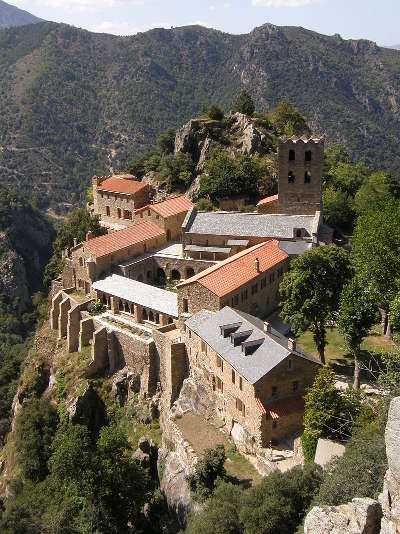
124, 28
284, 3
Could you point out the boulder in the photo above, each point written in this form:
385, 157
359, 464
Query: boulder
361, 516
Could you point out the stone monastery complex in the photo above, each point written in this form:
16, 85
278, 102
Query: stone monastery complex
191, 294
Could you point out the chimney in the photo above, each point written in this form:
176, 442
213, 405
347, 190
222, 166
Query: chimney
257, 264
291, 344
89, 235
267, 327
75, 241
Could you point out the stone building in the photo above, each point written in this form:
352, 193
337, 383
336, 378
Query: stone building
247, 281
257, 375
116, 198
96, 256
300, 168
168, 214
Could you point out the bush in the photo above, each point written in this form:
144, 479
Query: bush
208, 470
95, 307
205, 204
309, 446
215, 113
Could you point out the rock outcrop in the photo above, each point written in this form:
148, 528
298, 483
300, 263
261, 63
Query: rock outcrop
366, 516
88, 409
361, 516
13, 277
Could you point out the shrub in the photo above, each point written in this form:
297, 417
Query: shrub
205, 204
215, 113
208, 470
95, 307
309, 446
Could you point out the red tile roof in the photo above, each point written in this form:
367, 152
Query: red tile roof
170, 206
282, 407
120, 239
234, 272
121, 184
266, 200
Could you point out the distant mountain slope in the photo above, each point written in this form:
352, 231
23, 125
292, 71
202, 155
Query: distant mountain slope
74, 103
13, 16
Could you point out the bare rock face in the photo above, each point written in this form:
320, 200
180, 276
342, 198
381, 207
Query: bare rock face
190, 138
88, 409
390, 496
361, 516
251, 138
13, 278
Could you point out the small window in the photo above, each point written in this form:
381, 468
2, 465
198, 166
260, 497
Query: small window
292, 155
295, 386
141, 214
291, 177
307, 177
272, 278
119, 213
236, 300
298, 232
220, 385
220, 363
108, 211
244, 295
254, 289
203, 347
307, 155
274, 391
274, 423
81, 262
157, 217
263, 283
240, 383
290, 364
148, 213
185, 305
233, 377
240, 407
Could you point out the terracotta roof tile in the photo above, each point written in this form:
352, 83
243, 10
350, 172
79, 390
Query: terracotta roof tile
119, 184
266, 200
282, 407
170, 206
232, 273
120, 239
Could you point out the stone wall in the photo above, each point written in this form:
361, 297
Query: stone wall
300, 196
171, 225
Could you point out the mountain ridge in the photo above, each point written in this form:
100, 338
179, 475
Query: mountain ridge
13, 16
78, 103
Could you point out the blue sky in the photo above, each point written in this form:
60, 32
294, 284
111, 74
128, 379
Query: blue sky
371, 19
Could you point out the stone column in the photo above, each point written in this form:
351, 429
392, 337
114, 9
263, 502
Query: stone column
138, 313
163, 319
114, 304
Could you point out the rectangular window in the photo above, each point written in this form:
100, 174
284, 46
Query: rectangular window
81, 262
240, 383
220, 385
236, 300
263, 283
108, 211
203, 347
254, 289
290, 364
220, 363
240, 407
233, 377
185, 305
244, 295
295, 386
274, 391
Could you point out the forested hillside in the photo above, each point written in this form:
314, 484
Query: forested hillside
75, 103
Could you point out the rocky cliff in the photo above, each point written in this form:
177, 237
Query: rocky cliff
367, 516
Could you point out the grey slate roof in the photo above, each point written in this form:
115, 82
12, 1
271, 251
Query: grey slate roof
272, 350
148, 296
294, 248
199, 248
248, 224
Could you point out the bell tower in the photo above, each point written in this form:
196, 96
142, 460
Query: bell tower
300, 168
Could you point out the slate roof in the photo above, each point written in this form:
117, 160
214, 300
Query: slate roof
294, 248
132, 291
248, 224
271, 351
267, 200
237, 270
120, 239
121, 184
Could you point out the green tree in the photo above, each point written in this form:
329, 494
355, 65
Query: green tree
244, 104
334, 154
376, 255
178, 168
288, 120
379, 189
311, 291
337, 209
208, 470
348, 177
35, 427
357, 314
215, 113
166, 141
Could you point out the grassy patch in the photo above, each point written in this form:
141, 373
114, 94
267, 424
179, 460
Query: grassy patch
336, 350
238, 466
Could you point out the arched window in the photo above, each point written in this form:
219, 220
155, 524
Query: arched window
291, 177
292, 155
170, 321
157, 318
161, 275
151, 316
307, 155
307, 177
120, 305
175, 274
189, 272
144, 314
